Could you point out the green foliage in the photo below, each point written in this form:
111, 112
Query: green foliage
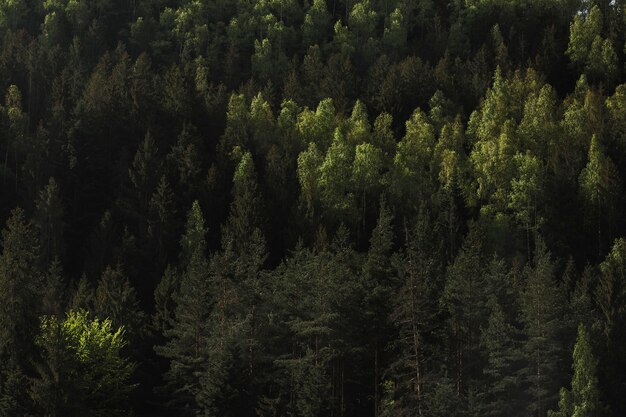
317, 24
584, 397
13, 390
609, 295
187, 330
335, 173
244, 221
611, 288
498, 338
395, 35
49, 222
164, 295
412, 162
116, 301
599, 181
583, 31
83, 371
542, 306
21, 286
463, 298
309, 163
55, 292
418, 273
401, 143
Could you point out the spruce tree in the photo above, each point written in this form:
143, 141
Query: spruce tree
463, 299
238, 319
187, 339
377, 286
542, 308
499, 343
414, 316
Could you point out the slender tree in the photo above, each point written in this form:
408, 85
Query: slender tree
584, 398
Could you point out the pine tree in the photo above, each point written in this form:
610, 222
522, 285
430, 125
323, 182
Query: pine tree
377, 288
498, 340
188, 338
599, 182
583, 400
583, 31
412, 177
49, 221
184, 158
464, 301
308, 289
542, 308
161, 222
414, 315
83, 296
21, 287
309, 163
143, 174
237, 273
244, 221
13, 390
610, 297
164, 295
317, 24
366, 172
54, 295
335, 174
116, 300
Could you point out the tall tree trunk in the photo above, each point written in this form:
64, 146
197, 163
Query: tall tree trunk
376, 378
415, 331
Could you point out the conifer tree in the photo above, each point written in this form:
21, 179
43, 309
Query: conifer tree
414, 314
115, 299
49, 221
583, 31
187, 339
317, 24
542, 309
610, 297
21, 287
599, 182
185, 158
83, 296
498, 340
583, 400
238, 268
412, 179
377, 289
464, 300
164, 295
335, 174
161, 221
54, 295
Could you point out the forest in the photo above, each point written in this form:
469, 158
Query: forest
313, 208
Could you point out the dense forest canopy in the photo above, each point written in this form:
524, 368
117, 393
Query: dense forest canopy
313, 208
